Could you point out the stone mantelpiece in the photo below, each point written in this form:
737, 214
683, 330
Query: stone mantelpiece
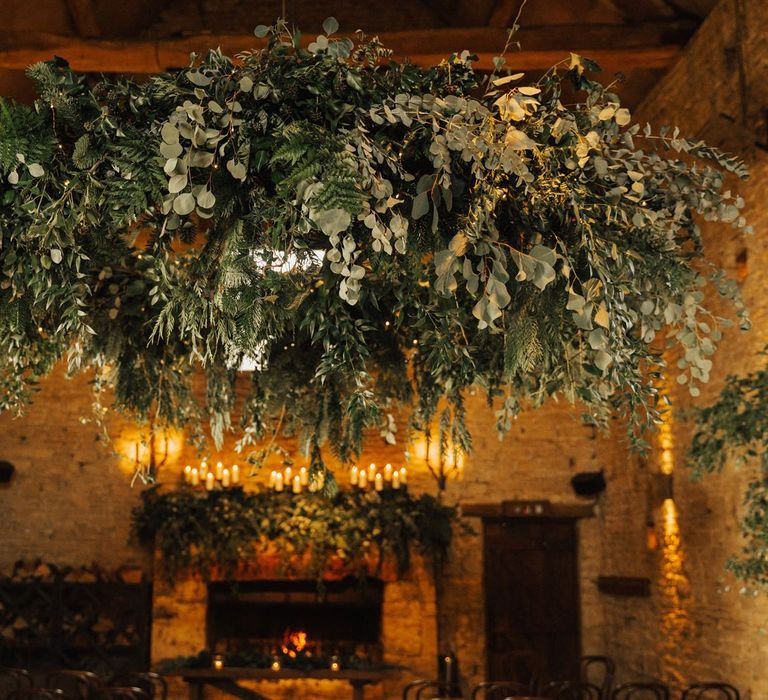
408, 632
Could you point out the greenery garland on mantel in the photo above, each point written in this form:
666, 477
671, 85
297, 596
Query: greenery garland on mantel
223, 530
373, 233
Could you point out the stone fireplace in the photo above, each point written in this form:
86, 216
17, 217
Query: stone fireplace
389, 618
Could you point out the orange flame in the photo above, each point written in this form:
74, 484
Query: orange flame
294, 643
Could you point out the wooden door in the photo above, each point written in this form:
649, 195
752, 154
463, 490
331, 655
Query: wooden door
532, 598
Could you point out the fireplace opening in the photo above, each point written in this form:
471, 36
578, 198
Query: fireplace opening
262, 615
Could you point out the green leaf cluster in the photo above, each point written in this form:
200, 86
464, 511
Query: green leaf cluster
373, 234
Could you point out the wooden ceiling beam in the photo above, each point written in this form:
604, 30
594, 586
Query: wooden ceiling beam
626, 48
83, 15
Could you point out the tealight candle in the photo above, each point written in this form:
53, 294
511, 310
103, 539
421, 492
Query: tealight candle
235, 474
209, 481
218, 662
371, 471
396, 479
297, 484
187, 474
387, 472
225, 478
304, 475
403, 476
379, 482
275, 664
353, 474
219, 471
335, 665
362, 481
278, 481
194, 477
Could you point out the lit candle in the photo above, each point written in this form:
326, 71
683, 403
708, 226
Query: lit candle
353, 473
219, 471
194, 477
272, 479
304, 475
203, 469
187, 474
218, 662
387, 472
275, 662
362, 481
403, 476
379, 482
396, 479
297, 484
209, 481
371, 471
335, 665
278, 481
288, 474
235, 474
225, 480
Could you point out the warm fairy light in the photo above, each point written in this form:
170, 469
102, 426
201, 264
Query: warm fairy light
676, 626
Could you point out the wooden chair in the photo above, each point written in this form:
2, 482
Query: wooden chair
524, 666
36, 694
120, 693
641, 691
574, 690
412, 688
76, 685
711, 691
153, 684
13, 679
497, 690
600, 670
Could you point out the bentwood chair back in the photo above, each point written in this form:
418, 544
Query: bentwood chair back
120, 693
411, 689
498, 690
711, 691
36, 694
12, 679
153, 684
574, 690
641, 691
76, 685
600, 670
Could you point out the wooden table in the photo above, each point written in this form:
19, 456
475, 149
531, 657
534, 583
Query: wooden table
226, 680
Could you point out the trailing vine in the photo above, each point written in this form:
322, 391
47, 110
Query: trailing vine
220, 531
370, 234
734, 430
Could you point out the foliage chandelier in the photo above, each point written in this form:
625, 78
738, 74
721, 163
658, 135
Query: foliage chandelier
376, 234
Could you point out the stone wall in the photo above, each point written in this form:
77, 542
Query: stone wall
697, 624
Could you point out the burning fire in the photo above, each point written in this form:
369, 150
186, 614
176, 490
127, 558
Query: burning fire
294, 643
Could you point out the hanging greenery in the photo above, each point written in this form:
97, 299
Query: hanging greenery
220, 531
371, 234
735, 429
